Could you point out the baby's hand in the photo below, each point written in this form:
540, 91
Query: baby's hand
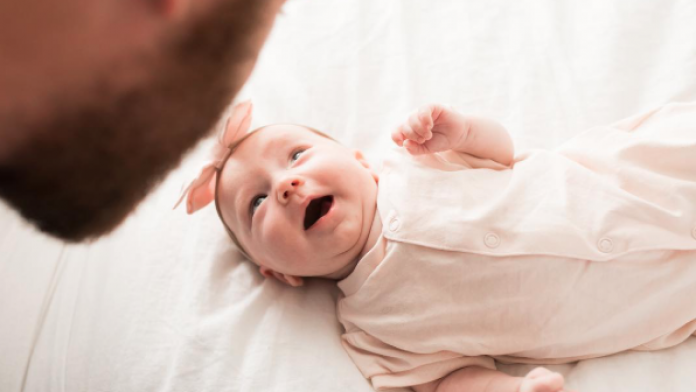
542, 380
434, 128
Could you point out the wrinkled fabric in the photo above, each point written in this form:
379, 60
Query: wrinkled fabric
577, 253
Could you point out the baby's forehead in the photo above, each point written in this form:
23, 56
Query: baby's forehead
272, 137
263, 148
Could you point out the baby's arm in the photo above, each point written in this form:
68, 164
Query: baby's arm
437, 128
478, 379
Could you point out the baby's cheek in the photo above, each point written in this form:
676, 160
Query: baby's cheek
278, 240
349, 230
330, 162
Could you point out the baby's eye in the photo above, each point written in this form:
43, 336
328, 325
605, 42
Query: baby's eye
256, 203
296, 155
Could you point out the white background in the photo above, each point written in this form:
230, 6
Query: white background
166, 304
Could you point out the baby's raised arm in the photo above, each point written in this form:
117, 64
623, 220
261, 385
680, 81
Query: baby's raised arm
436, 128
478, 379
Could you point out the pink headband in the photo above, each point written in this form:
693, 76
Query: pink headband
201, 191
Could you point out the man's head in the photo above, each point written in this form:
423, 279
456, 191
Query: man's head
299, 203
98, 100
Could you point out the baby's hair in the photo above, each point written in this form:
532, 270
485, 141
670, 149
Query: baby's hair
231, 148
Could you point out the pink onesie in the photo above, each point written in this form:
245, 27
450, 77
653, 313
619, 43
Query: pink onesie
577, 253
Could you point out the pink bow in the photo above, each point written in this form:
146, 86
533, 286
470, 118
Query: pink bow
201, 191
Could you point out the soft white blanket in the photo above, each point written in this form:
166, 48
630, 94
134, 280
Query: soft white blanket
165, 303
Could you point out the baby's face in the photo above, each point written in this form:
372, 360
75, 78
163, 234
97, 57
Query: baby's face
299, 203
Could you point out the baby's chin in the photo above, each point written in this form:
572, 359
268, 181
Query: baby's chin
344, 271
348, 239
328, 262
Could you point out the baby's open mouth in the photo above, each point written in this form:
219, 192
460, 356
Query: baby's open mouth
316, 209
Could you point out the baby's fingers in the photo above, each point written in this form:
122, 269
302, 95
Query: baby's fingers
421, 124
417, 129
414, 148
405, 132
398, 137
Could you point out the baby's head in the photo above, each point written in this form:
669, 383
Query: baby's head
298, 203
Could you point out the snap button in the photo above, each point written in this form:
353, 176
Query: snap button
605, 245
394, 224
491, 240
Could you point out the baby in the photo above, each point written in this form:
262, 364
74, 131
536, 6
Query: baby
456, 255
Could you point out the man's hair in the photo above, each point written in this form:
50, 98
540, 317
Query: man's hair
231, 149
91, 163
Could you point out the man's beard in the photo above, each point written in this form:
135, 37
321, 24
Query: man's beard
89, 165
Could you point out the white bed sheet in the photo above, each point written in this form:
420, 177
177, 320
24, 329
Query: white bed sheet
165, 303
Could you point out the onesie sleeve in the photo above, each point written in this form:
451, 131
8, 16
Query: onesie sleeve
390, 367
467, 160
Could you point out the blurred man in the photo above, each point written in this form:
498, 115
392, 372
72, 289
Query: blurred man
100, 99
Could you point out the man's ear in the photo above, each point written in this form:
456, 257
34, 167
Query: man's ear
291, 280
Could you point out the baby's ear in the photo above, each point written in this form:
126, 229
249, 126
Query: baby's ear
291, 280
201, 191
361, 158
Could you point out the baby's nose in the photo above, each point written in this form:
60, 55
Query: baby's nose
287, 188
